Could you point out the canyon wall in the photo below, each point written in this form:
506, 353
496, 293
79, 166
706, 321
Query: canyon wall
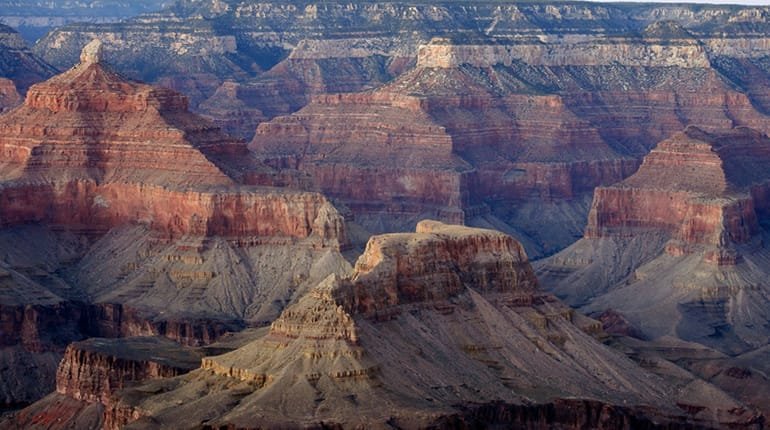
383, 332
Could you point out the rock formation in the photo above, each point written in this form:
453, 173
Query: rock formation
9, 97
124, 214
19, 65
678, 249
445, 325
92, 370
468, 134
544, 102
289, 85
35, 18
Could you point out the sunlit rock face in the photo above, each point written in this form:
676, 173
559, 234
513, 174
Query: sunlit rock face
443, 326
681, 238
123, 214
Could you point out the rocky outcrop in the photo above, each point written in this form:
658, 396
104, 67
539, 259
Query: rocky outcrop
444, 54
85, 206
9, 97
435, 263
697, 186
542, 103
123, 214
438, 327
39, 328
120, 152
229, 111
94, 369
91, 371
115, 321
677, 249
35, 18
344, 47
290, 84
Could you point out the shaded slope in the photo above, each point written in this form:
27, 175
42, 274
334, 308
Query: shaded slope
427, 325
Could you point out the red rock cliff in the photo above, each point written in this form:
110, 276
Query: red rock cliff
435, 263
94, 369
702, 188
90, 150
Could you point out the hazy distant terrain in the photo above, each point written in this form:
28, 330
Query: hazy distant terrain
34, 18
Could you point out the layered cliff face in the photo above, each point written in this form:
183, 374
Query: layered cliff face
516, 128
542, 102
92, 370
119, 151
560, 49
9, 97
290, 84
429, 328
123, 214
688, 229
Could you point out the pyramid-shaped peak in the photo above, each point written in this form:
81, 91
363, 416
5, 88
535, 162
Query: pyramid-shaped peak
91, 86
712, 163
92, 53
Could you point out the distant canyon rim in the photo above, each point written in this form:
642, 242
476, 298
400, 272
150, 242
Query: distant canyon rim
464, 214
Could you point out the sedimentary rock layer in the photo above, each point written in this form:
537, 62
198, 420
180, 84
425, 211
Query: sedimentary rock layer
94, 369
703, 188
121, 213
440, 326
678, 247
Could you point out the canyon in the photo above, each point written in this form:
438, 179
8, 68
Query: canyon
689, 223
677, 252
19, 68
425, 322
485, 114
34, 18
125, 215
225, 246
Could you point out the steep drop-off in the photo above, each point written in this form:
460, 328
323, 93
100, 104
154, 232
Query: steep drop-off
541, 102
123, 214
445, 325
491, 134
678, 249
19, 67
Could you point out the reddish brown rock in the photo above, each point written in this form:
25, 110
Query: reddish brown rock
39, 328
429, 151
439, 327
119, 152
9, 97
226, 108
677, 252
115, 320
128, 179
514, 130
434, 264
700, 187
94, 369
309, 71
